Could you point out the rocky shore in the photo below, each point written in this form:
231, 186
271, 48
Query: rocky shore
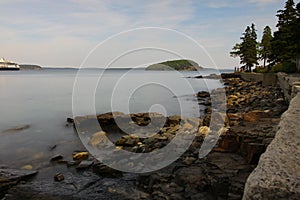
253, 113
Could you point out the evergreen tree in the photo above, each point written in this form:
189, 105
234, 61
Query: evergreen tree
284, 43
265, 45
247, 49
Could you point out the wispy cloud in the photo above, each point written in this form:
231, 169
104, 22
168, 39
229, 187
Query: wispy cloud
264, 1
40, 31
237, 3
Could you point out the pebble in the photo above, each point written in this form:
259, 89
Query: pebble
27, 167
59, 177
56, 157
85, 164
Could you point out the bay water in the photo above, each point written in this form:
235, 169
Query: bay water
43, 100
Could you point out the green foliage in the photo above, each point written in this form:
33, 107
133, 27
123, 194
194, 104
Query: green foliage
287, 67
176, 65
260, 70
285, 45
281, 51
247, 49
265, 45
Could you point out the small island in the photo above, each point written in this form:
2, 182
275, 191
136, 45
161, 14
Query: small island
179, 65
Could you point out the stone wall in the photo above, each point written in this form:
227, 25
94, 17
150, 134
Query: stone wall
277, 175
255, 77
265, 78
290, 84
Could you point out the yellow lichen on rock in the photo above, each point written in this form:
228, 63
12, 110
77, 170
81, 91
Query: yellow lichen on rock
204, 130
27, 167
81, 155
187, 126
98, 138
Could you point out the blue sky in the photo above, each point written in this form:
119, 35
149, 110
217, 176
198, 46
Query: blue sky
62, 33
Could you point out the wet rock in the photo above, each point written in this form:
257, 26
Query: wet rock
204, 130
51, 148
213, 76
106, 171
187, 126
256, 115
72, 163
10, 177
223, 172
17, 128
189, 160
56, 157
197, 76
27, 167
98, 139
59, 177
174, 120
228, 143
70, 120
203, 94
193, 176
85, 164
81, 155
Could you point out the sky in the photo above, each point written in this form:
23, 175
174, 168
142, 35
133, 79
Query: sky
72, 33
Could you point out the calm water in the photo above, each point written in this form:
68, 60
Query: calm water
43, 100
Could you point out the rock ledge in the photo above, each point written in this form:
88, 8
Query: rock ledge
277, 175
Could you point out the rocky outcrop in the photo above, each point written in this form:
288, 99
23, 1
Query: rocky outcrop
10, 177
220, 175
277, 175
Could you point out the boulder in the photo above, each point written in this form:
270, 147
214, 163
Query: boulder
10, 177
81, 155
204, 130
203, 94
256, 115
106, 171
99, 138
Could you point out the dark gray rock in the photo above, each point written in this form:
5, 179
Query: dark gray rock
10, 177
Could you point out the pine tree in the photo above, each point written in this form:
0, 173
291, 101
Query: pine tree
284, 44
265, 45
247, 49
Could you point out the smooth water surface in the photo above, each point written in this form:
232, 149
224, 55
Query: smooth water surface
43, 100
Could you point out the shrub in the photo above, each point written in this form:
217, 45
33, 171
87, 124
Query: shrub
260, 70
287, 67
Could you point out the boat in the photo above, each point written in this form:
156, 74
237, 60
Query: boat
6, 65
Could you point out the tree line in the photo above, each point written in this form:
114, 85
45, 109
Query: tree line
279, 51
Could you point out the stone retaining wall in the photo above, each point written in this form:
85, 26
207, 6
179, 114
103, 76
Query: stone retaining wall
265, 78
255, 77
277, 175
290, 84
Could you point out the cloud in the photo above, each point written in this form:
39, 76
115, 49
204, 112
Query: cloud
237, 3
264, 1
43, 30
